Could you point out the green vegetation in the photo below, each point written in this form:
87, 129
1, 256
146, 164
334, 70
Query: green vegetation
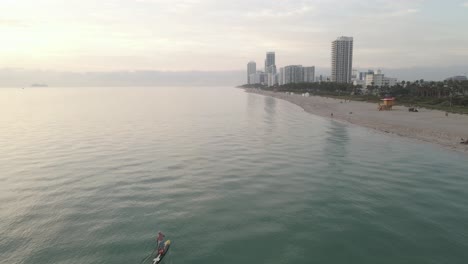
450, 96
256, 86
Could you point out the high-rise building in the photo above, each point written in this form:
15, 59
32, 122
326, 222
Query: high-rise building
281, 76
270, 61
342, 60
293, 74
271, 69
251, 69
272, 79
309, 74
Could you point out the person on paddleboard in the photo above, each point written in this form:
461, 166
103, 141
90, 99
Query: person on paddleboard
160, 240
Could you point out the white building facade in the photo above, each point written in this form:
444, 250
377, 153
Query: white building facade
342, 60
272, 79
258, 78
378, 79
281, 76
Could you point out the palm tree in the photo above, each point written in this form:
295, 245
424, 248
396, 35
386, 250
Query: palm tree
440, 89
464, 86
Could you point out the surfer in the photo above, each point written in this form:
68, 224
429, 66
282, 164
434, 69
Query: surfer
160, 240
163, 247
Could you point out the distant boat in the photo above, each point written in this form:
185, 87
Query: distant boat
39, 85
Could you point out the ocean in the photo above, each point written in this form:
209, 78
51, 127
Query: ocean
89, 175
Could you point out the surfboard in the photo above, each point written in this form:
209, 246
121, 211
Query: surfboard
160, 257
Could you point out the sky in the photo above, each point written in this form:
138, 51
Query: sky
221, 35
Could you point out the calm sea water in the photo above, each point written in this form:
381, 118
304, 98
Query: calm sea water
89, 175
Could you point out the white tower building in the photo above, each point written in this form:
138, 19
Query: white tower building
342, 60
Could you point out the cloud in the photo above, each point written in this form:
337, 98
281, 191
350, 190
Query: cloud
465, 4
222, 34
280, 13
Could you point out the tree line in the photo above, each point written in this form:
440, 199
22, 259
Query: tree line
449, 95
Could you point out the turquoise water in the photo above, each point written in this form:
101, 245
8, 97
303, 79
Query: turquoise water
89, 175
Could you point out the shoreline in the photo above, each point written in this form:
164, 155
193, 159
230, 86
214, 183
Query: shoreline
427, 125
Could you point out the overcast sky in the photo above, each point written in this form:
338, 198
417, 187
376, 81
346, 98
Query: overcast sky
179, 35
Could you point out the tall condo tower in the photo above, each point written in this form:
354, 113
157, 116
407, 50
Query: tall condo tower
269, 61
293, 74
309, 74
342, 60
251, 69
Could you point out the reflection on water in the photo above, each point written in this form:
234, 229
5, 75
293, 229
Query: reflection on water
270, 105
269, 115
336, 144
252, 102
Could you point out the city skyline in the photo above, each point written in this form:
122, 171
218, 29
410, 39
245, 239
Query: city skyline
273, 75
342, 70
134, 34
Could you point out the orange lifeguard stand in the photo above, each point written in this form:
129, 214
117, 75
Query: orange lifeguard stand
387, 104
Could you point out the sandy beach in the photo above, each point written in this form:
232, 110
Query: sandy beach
426, 125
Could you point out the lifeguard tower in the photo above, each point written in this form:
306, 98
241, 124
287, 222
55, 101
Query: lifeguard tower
387, 104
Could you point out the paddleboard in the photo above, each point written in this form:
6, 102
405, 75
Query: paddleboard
160, 257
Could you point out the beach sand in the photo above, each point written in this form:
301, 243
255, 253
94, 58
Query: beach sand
426, 125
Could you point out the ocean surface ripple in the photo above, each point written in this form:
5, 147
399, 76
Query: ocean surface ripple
89, 175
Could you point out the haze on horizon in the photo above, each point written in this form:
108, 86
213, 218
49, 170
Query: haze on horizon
213, 35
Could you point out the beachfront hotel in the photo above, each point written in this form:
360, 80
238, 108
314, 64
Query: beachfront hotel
342, 60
